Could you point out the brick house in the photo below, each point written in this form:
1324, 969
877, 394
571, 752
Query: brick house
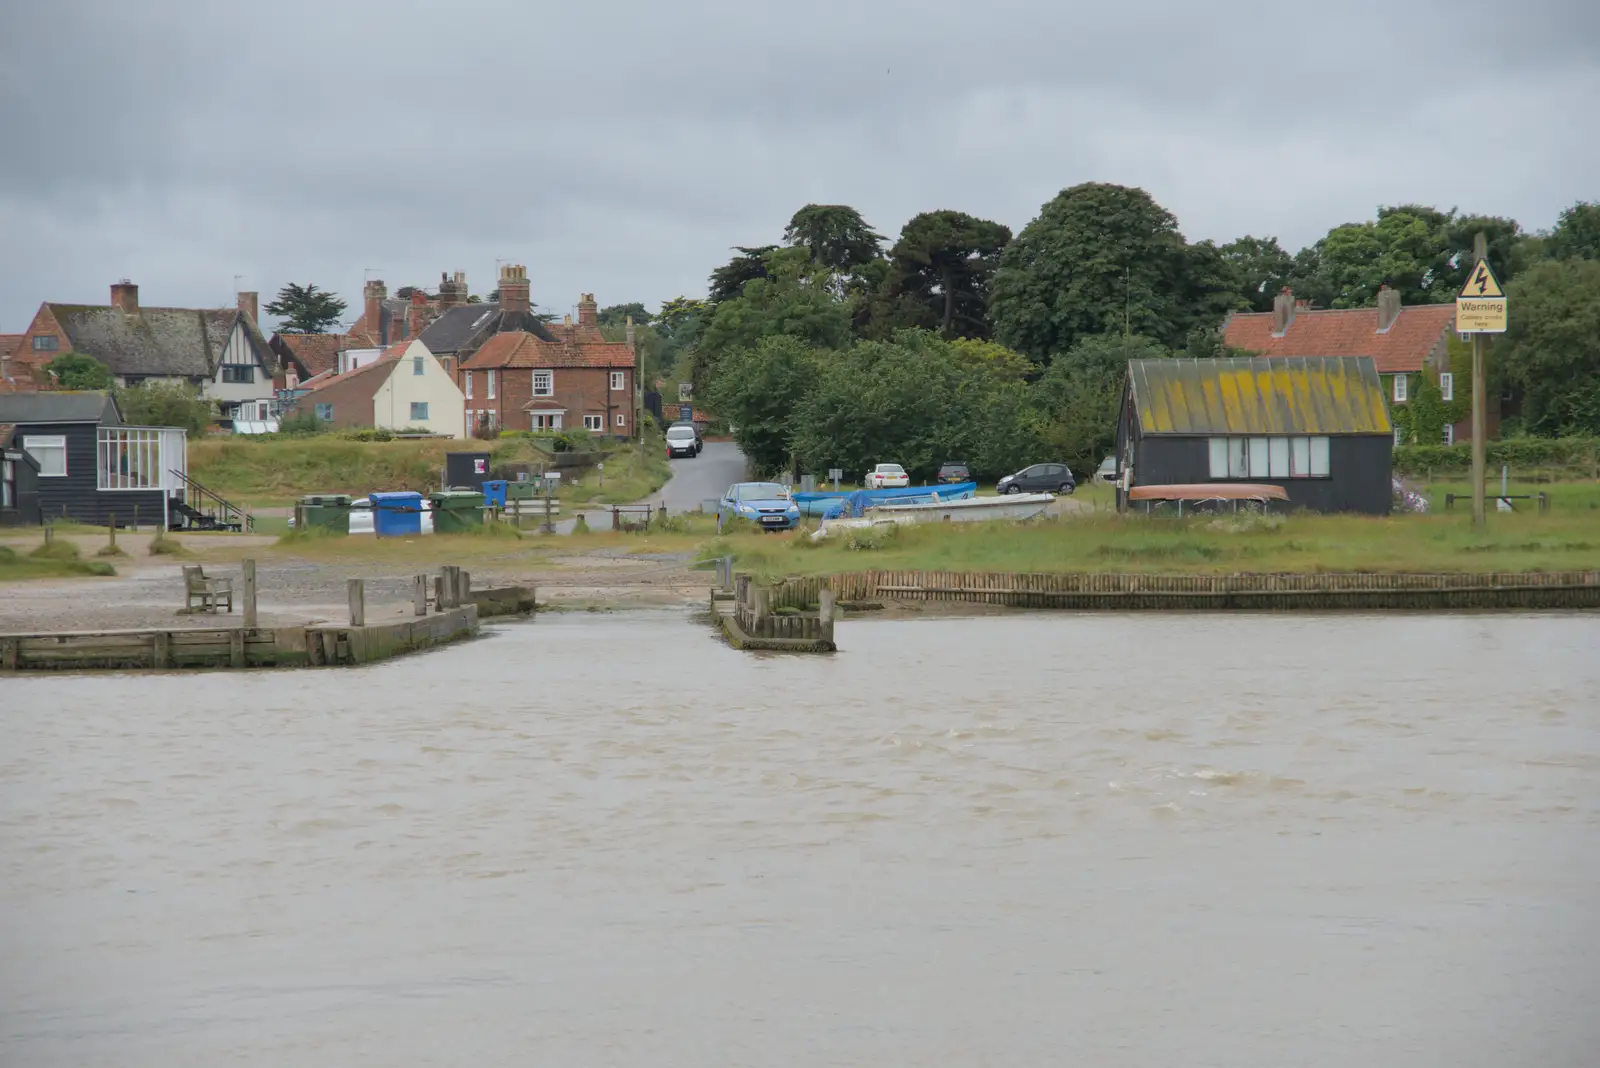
405, 388
560, 376
1411, 346
219, 350
10, 344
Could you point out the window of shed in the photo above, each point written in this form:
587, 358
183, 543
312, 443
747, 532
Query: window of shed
1320, 467
1219, 457
1278, 457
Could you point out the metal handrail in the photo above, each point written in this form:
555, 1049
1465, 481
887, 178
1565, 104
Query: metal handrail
217, 502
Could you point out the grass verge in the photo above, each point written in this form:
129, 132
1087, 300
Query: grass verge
56, 560
631, 473
1108, 543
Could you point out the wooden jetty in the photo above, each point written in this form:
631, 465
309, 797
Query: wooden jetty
233, 647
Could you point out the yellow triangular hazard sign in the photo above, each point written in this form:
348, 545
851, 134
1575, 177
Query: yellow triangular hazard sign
1482, 283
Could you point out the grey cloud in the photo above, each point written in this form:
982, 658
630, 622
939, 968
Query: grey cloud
622, 147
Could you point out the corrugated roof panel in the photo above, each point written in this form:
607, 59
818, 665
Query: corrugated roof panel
1283, 395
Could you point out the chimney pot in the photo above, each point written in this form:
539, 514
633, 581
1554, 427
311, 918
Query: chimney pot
125, 295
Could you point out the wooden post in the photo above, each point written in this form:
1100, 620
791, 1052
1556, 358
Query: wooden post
727, 573
136, 519
161, 650
438, 593
358, 603
111, 529
763, 606
463, 586
1480, 250
825, 612
49, 533
616, 518
250, 594
9, 653
419, 595
236, 648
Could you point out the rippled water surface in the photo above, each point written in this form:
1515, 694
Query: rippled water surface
1031, 840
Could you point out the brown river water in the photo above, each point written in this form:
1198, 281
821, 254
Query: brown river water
1241, 840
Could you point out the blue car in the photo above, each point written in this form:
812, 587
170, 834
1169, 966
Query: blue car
766, 504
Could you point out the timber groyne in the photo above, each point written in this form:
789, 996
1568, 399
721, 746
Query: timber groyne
1522, 591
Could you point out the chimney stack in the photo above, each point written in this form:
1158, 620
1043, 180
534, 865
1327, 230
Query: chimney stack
1388, 307
375, 293
248, 303
1282, 311
125, 295
588, 310
632, 337
452, 290
419, 314
514, 289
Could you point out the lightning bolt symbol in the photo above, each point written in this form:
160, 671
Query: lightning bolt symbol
1482, 279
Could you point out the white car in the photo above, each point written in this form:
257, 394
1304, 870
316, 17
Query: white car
887, 476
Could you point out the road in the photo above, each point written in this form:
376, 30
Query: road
705, 477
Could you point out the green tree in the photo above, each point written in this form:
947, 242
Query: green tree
795, 301
305, 309
618, 315
836, 236
1080, 391
918, 401
1577, 233
1098, 257
74, 370
728, 281
1551, 351
759, 391
943, 263
1260, 269
171, 403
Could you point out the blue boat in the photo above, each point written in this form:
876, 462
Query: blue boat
832, 505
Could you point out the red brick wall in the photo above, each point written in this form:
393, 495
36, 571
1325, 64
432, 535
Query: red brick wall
580, 390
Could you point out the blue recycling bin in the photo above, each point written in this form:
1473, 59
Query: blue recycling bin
397, 514
494, 492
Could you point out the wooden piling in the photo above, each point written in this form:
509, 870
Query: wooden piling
358, 603
419, 595
250, 594
111, 531
825, 612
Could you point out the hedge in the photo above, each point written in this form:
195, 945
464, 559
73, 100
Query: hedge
1580, 454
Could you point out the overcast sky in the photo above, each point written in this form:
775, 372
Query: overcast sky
621, 146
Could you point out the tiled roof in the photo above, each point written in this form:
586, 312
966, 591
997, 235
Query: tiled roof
316, 352
186, 342
1291, 395
1404, 347
575, 349
386, 361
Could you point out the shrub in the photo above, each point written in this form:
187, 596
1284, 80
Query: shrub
59, 549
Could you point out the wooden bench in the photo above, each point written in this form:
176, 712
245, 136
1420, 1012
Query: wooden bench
211, 592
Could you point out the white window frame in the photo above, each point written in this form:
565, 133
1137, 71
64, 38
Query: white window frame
317, 411
489, 385
549, 380
1399, 436
1402, 386
51, 443
1321, 457
1257, 459
622, 420
417, 367
1449, 433
1278, 450
619, 381
419, 404
594, 422
468, 375
1447, 386
1219, 457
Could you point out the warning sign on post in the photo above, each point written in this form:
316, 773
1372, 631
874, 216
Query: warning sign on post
1481, 304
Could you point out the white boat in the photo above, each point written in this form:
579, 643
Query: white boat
1013, 506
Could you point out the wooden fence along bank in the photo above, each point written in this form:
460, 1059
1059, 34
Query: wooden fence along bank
1277, 592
